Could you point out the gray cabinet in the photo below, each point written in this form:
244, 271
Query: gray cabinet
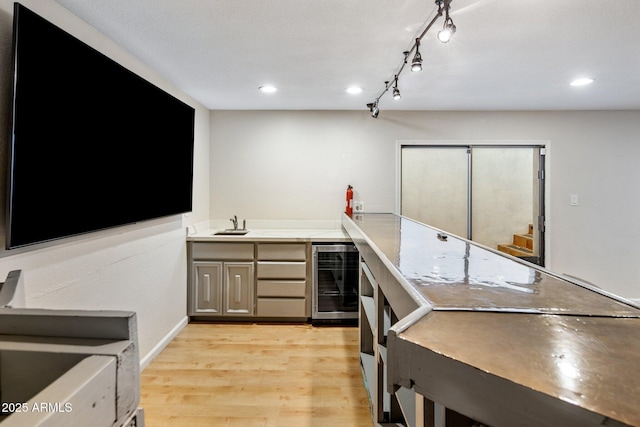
221, 281
282, 280
249, 280
223, 288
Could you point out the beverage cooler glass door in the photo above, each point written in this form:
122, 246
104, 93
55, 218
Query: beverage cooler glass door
335, 281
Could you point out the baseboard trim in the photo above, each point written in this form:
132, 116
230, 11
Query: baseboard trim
155, 351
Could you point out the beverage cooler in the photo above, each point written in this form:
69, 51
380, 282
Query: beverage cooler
335, 282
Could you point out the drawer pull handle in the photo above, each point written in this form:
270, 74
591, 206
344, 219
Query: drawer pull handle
238, 287
207, 288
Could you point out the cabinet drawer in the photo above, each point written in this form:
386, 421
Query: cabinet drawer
282, 288
282, 270
223, 251
282, 252
282, 307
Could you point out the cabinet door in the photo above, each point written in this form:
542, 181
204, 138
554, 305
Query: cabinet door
239, 285
208, 288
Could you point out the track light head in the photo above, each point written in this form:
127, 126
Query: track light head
416, 62
396, 91
448, 30
374, 109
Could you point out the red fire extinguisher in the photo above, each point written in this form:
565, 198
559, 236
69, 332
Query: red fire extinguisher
349, 204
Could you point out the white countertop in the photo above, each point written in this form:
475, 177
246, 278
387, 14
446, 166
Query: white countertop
274, 235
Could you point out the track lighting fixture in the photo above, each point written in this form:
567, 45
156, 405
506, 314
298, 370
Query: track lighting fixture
374, 109
396, 91
444, 36
448, 29
416, 63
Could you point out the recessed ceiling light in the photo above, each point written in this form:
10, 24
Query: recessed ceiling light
582, 81
268, 89
354, 90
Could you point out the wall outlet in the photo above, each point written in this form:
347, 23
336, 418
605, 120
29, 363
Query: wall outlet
358, 206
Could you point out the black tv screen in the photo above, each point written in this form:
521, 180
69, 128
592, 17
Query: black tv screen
93, 145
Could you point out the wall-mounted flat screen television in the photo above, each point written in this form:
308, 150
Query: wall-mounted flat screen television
93, 145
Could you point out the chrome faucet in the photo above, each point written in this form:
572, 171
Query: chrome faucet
234, 221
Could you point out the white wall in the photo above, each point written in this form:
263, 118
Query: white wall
139, 267
297, 164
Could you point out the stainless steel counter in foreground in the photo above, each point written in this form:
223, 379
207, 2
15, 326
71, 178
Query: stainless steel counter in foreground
497, 340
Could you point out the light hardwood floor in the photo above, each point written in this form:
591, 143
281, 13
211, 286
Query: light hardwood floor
266, 375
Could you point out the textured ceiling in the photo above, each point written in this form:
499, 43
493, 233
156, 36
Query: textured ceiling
506, 54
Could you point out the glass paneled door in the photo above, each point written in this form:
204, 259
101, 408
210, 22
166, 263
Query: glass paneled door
335, 281
491, 194
434, 186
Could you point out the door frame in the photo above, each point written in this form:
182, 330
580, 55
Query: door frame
546, 144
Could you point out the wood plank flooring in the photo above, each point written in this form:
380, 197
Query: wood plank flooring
262, 375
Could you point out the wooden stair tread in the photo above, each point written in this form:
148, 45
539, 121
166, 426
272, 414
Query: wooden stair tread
522, 245
523, 240
515, 250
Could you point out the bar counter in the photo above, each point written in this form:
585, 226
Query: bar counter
496, 339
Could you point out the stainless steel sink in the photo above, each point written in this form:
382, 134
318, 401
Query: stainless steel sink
231, 232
